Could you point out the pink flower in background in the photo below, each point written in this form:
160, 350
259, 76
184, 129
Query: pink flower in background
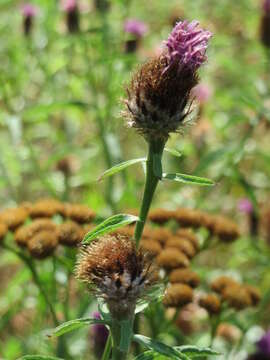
264, 344
135, 27
69, 5
202, 92
187, 45
266, 6
29, 10
245, 206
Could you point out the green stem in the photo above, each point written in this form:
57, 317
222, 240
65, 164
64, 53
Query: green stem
155, 148
108, 348
120, 348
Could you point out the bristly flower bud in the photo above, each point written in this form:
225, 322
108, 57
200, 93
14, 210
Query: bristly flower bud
159, 96
29, 11
72, 15
117, 272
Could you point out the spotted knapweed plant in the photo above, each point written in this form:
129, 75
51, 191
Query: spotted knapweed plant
117, 272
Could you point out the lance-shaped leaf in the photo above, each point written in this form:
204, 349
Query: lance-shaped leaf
109, 225
173, 152
194, 351
188, 179
119, 167
159, 347
74, 325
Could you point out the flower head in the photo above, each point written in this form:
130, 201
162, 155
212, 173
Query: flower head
187, 45
116, 271
135, 27
29, 10
69, 5
159, 93
266, 6
264, 344
245, 206
99, 335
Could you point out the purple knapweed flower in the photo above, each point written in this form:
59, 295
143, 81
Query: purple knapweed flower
245, 206
264, 344
135, 27
69, 5
266, 6
202, 93
99, 332
187, 45
29, 10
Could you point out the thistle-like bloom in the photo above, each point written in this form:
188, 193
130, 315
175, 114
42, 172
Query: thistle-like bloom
245, 206
29, 11
266, 6
159, 96
71, 9
117, 272
135, 27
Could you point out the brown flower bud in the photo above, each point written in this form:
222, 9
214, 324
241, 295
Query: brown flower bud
225, 229
25, 233
69, 233
82, 214
254, 293
172, 259
13, 217
211, 303
183, 245
42, 244
185, 276
188, 234
237, 297
219, 284
46, 208
160, 216
151, 247
178, 295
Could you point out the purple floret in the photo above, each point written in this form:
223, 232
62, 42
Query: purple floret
135, 27
264, 344
266, 6
29, 10
187, 45
99, 332
69, 5
245, 206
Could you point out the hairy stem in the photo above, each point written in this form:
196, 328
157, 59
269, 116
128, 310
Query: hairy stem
151, 182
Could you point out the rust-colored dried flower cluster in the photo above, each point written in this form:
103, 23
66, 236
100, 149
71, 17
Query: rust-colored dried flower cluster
218, 225
36, 230
117, 272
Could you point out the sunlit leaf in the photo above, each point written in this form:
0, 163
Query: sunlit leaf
115, 169
188, 179
74, 325
39, 357
110, 224
173, 152
195, 351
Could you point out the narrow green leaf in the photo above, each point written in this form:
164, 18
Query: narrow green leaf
157, 165
148, 355
173, 152
39, 357
73, 325
188, 179
159, 347
119, 167
194, 351
110, 224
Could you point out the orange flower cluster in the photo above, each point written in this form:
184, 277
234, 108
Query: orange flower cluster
36, 230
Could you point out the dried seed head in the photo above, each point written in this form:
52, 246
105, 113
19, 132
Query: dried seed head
116, 271
159, 92
46, 208
178, 295
69, 233
189, 235
211, 303
81, 214
237, 297
160, 216
183, 245
151, 247
3, 231
13, 217
161, 235
219, 284
229, 332
184, 276
188, 217
25, 233
225, 229
172, 259
42, 244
